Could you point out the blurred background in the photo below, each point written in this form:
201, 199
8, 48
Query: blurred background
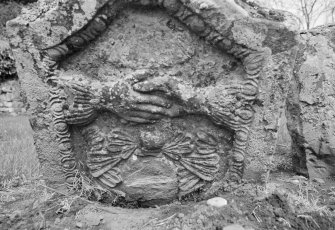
308, 13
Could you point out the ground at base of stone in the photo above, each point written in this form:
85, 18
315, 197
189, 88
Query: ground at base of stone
284, 202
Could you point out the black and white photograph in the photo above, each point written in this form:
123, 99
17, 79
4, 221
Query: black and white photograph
167, 114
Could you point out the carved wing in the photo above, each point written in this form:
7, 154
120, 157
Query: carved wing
111, 178
106, 153
80, 110
198, 163
206, 143
188, 182
121, 144
178, 146
204, 166
99, 161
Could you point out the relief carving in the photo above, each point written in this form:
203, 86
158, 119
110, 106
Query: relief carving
196, 156
146, 97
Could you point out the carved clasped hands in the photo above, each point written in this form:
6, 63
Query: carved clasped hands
225, 104
126, 99
145, 98
182, 96
188, 99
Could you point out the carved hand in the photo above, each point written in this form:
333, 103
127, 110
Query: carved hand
131, 105
185, 96
222, 103
135, 99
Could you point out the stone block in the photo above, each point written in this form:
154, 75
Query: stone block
311, 103
188, 93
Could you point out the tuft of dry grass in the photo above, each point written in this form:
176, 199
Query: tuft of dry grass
307, 199
18, 158
304, 196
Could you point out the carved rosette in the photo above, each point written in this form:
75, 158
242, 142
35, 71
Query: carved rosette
195, 154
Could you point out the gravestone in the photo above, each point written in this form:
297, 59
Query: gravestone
153, 99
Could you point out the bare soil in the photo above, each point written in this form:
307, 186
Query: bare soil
284, 202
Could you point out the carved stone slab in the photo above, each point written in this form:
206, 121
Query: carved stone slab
150, 99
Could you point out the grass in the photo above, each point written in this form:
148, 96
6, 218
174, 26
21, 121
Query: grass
304, 196
308, 199
18, 158
19, 164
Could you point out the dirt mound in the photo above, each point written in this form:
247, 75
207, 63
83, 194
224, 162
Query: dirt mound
250, 207
275, 212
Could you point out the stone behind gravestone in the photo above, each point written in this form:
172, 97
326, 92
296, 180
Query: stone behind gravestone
311, 103
153, 100
11, 101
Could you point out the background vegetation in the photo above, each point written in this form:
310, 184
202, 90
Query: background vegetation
18, 159
308, 13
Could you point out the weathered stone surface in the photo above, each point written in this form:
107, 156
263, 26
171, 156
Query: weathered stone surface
154, 98
311, 103
149, 179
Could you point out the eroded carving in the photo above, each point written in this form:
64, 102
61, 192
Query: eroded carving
196, 156
138, 99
